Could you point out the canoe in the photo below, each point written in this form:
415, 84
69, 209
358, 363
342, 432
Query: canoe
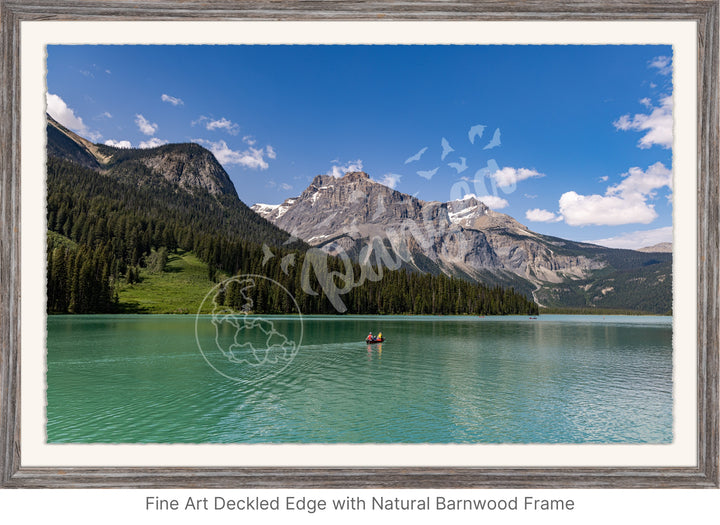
375, 341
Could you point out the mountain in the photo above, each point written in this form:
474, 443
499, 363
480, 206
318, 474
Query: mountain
662, 247
184, 182
189, 166
340, 215
374, 224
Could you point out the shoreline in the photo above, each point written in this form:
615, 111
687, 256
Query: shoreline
359, 316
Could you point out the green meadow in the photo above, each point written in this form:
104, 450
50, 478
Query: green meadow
178, 289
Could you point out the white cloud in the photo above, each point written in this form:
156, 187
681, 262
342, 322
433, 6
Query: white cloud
252, 158
538, 215
59, 110
105, 114
658, 125
493, 202
663, 64
172, 100
350, 166
623, 203
270, 152
285, 186
223, 123
637, 239
581, 210
641, 182
390, 180
250, 140
118, 143
604, 178
144, 125
510, 176
152, 143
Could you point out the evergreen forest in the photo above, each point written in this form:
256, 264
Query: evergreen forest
109, 229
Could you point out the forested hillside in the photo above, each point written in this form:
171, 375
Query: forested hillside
108, 229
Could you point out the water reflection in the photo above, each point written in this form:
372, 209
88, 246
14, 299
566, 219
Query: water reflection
375, 348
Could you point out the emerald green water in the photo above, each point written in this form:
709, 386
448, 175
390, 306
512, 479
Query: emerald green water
556, 379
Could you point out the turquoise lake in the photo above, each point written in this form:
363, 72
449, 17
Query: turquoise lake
275, 379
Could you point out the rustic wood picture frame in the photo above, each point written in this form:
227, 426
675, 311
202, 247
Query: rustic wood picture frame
704, 474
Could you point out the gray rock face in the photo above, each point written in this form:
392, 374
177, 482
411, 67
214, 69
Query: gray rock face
371, 223
189, 166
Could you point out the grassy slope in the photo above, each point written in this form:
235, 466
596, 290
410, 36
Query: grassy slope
179, 289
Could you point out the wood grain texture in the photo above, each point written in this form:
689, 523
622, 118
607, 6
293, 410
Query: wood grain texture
704, 12
708, 243
9, 247
358, 10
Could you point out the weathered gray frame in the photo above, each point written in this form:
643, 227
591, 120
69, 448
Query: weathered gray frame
704, 12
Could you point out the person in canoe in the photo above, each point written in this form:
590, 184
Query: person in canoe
372, 339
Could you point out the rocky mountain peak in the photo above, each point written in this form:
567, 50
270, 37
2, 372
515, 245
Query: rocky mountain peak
467, 204
348, 178
190, 166
355, 176
321, 180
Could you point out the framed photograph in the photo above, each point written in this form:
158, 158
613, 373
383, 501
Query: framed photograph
402, 245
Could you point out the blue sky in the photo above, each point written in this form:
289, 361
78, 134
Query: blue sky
572, 141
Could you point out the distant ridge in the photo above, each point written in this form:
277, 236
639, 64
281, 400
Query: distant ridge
661, 247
